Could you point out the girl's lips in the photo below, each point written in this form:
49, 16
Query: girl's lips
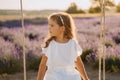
50, 32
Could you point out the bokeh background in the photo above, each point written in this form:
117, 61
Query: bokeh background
87, 17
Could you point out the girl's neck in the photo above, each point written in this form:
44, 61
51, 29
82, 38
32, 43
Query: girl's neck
61, 40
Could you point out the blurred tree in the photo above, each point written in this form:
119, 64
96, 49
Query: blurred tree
96, 9
74, 9
118, 7
96, 5
109, 3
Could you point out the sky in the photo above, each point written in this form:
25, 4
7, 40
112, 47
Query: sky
45, 4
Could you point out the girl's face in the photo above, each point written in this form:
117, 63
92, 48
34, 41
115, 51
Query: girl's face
54, 28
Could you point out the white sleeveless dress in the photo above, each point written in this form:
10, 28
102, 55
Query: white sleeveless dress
61, 57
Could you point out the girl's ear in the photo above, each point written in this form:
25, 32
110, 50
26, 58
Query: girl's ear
63, 28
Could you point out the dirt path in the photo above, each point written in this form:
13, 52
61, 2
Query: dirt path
92, 73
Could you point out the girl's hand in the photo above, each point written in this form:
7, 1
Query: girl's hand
86, 79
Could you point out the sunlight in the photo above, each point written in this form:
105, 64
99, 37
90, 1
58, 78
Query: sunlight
45, 4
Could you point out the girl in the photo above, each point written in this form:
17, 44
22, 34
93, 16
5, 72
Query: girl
61, 51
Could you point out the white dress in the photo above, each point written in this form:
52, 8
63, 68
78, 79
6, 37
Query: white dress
61, 57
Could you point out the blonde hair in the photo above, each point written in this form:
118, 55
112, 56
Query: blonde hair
62, 19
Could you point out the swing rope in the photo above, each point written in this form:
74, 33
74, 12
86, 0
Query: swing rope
103, 22
102, 42
23, 46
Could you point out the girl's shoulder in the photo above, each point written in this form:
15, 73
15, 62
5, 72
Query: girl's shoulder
74, 41
70, 42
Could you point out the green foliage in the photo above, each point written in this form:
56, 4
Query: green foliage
109, 3
80, 11
116, 39
33, 61
85, 53
74, 9
10, 65
108, 43
112, 64
95, 9
118, 7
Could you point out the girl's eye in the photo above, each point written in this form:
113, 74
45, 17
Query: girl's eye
51, 25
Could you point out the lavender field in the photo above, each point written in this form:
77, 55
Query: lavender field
88, 35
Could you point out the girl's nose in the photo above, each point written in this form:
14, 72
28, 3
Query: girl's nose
49, 28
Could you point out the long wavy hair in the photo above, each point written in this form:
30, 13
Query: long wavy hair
62, 19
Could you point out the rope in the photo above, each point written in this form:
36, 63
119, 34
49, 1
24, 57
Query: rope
103, 32
23, 46
102, 41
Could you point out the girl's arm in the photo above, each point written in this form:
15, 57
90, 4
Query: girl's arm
80, 68
42, 68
